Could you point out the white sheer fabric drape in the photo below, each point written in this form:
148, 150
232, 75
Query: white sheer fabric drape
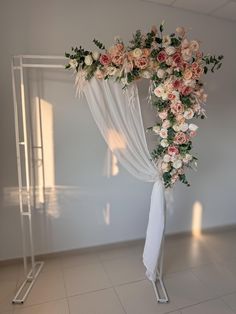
118, 117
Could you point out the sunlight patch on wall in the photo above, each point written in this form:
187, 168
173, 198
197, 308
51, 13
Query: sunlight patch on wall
197, 219
106, 214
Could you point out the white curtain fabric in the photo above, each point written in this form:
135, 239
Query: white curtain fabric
117, 114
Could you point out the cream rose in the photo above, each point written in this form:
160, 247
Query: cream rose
164, 143
73, 63
177, 164
194, 46
184, 127
156, 129
193, 127
165, 167
180, 31
88, 60
188, 114
146, 74
176, 127
137, 52
170, 50
160, 73
96, 55
188, 74
166, 158
166, 40
163, 133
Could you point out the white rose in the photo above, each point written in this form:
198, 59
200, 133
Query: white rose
96, 55
188, 114
166, 158
156, 129
88, 60
184, 127
170, 50
186, 54
177, 164
176, 127
194, 45
185, 44
112, 71
165, 167
137, 52
180, 31
187, 158
73, 63
166, 40
163, 133
166, 124
158, 91
169, 71
160, 73
164, 95
146, 74
164, 143
193, 127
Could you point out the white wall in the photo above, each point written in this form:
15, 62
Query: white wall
75, 218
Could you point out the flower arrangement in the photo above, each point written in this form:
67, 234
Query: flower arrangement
174, 65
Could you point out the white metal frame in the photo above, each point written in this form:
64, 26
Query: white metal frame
19, 63
25, 61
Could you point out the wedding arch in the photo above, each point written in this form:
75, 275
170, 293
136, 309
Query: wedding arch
174, 66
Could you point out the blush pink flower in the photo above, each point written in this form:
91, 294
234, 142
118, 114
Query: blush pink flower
192, 133
177, 59
162, 56
117, 59
173, 150
141, 63
105, 59
177, 108
163, 115
186, 90
180, 138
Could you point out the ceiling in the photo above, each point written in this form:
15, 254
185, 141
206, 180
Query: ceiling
225, 9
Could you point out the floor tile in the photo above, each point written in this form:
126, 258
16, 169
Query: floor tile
139, 298
210, 307
85, 278
101, 302
217, 278
126, 269
185, 289
122, 251
10, 272
230, 300
7, 293
48, 287
79, 259
56, 307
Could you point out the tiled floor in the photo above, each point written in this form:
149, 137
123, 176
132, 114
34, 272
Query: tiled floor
200, 276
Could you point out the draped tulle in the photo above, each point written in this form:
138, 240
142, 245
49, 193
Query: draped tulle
117, 114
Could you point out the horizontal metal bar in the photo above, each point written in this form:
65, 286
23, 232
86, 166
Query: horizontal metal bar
21, 143
29, 281
40, 147
54, 66
41, 57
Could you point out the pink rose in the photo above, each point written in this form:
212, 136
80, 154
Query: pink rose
180, 138
118, 59
192, 133
162, 56
163, 115
141, 63
176, 84
177, 58
105, 59
188, 74
177, 108
186, 90
172, 150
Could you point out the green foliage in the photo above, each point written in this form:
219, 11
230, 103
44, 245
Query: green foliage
136, 42
212, 63
99, 44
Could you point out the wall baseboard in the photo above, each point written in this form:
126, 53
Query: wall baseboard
211, 230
